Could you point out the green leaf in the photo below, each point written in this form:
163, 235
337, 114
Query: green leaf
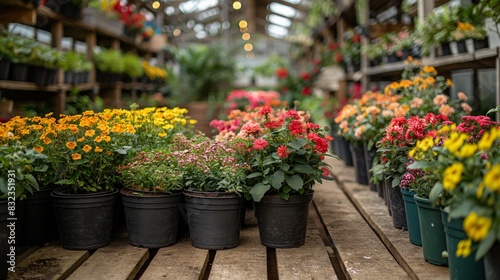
269, 161
461, 209
485, 245
395, 181
254, 175
419, 165
277, 179
258, 191
435, 193
284, 167
295, 182
297, 144
303, 168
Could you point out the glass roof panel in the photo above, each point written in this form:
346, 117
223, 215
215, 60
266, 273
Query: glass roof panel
197, 5
281, 9
279, 20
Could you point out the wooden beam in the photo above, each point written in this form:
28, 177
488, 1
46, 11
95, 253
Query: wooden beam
17, 15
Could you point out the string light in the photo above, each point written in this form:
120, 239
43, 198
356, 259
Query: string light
155, 5
243, 23
176, 32
236, 5
245, 36
248, 47
250, 55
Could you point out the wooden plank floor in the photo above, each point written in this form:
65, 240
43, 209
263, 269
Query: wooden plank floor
350, 236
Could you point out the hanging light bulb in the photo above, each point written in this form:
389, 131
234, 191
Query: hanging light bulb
236, 5
243, 23
248, 47
245, 36
155, 5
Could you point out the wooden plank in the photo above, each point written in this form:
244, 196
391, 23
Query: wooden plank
49, 262
179, 261
311, 261
409, 256
118, 261
362, 254
17, 15
247, 261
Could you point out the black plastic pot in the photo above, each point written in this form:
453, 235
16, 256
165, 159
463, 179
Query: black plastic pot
39, 219
283, 223
369, 157
392, 58
69, 77
481, 44
491, 267
84, 220
152, 219
461, 47
18, 72
358, 156
4, 69
380, 189
397, 208
214, 219
37, 75
51, 77
444, 49
345, 151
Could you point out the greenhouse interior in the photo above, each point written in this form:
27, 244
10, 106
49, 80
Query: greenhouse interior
286, 139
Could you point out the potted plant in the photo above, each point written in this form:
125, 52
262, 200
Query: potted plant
17, 50
109, 64
214, 180
133, 67
487, 9
351, 51
151, 197
285, 153
16, 164
44, 62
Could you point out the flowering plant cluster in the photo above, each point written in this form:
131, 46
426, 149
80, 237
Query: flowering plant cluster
400, 136
331, 55
133, 19
152, 171
154, 72
242, 99
467, 171
466, 30
424, 91
285, 152
210, 165
84, 150
365, 119
351, 48
297, 86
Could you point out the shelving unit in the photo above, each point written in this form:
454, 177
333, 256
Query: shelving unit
336, 26
61, 27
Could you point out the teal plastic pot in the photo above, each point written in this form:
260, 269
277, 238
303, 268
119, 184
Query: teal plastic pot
432, 231
412, 217
460, 268
491, 262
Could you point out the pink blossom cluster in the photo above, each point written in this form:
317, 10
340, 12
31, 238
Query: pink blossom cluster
475, 126
243, 99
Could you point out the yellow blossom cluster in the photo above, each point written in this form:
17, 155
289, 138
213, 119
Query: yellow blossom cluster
154, 72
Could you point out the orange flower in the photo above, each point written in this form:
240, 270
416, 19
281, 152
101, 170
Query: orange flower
81, 139
90, 133
47, 141
97, 149
466, 107
446, 110
76, 156
38, 149
87, 148
440, 99
98, 139
71, 145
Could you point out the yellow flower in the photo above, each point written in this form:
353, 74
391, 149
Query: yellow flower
476, 227
467, 150
463, 248
492, 178
97, 149
486, 141
38, 149
452, 175
106, 138
98, 139
76, 156
87, 148
47, 141
162, 134
81, 139
90, 133
455, 141
71, 145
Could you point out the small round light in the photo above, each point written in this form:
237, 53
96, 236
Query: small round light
176, 32
243, 30
155, 5
248, 47
250, 55
243, 24
245, 36
236, 5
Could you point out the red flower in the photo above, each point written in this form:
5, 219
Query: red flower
306, 91
326, 172
305, 76
265, 110
291, 114
333, 46
259, 144
283, 151
311, 125
356, 38
296, 127
338, 57
281, 73
273, 124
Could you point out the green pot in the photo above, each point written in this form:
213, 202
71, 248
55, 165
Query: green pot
412, 217
460, 268
432, 231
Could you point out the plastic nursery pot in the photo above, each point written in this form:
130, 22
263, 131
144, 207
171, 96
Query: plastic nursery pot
283, 223
397, 208
358, 157
412, 217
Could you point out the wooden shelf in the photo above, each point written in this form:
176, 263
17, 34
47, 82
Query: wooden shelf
14, 85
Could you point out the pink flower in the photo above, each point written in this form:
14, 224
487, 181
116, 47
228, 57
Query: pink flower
416, 102
265, 110
283, 151
251, 128
446, 110
259, 144
462, 96
466, 107
440, 99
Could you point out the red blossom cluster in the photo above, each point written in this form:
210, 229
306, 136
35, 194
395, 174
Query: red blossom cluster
475, 126
405, 132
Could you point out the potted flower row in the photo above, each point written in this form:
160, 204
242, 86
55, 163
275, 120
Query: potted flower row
25, 59
391, 47
76, 68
